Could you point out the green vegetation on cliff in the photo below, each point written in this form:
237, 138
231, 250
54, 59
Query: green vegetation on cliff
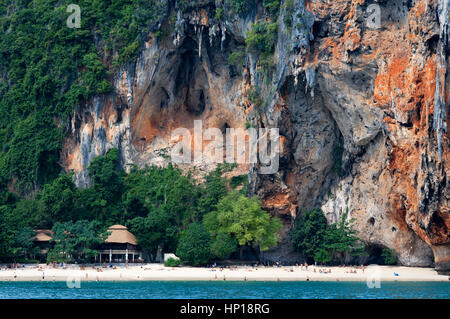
47, 68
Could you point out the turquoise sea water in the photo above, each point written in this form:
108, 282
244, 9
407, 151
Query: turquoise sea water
219, 290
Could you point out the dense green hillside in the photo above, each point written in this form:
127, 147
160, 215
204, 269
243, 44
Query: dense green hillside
47, 68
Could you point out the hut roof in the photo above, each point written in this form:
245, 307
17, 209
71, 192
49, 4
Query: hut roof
120, 234
43, 235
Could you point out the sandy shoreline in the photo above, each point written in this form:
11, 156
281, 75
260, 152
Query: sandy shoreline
157, 272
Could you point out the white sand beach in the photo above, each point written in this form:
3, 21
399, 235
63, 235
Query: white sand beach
159, 272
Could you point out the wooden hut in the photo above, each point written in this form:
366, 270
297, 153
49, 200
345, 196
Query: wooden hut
42, 239
120, 246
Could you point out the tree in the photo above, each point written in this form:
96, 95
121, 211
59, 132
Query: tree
165, 190
60, 198
6, 239
28, 213
102, 201
211, 192
322, 256
223, 246
324, 243
76, 240
308, 234
243, 219
6, 231
340, 239
194, 245
23, 243
103, 170
154, 231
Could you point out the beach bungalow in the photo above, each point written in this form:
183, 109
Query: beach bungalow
42, 239
120, 246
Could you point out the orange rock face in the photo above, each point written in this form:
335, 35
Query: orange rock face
362, 113
405, 51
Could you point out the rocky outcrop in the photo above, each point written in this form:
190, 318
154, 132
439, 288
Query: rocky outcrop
401, 176
362, 111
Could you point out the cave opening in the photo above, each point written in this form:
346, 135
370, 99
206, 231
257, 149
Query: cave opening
374, 252
191, 82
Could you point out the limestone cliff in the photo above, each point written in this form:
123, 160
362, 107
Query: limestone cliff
362, 111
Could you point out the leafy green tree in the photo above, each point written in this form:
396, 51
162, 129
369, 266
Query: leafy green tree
23, 246
165, 190
243, 219
322, 256
28, 213
308, 234
6, 236
59, 199
194, 245
76, 240
154, 231
340, 239
102, 201
223, 246
324, 243
210, 192
104, 171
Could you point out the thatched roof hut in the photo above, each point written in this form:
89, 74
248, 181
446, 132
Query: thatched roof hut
43, 235
119, 245
120, 235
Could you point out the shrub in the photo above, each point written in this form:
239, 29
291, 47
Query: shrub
236, 181
127, 53
254, 96
219, 14
272, 7
289, 9
172, 262
262, 37
322, 256
241, 6
237, 58
389, 256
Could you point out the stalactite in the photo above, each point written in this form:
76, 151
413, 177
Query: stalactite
212, 34
310, 79
179, 29
440, 112
222, 40
439, 123
199, 33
